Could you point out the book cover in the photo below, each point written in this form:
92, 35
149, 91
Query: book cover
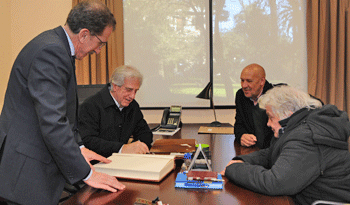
144, 167
167, 146
182, 182
202, 175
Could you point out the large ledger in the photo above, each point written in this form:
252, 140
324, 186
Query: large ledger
144, 167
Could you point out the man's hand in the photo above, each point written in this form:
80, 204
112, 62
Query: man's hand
135, 148
90, 155
248, 140
231, 162
104, 181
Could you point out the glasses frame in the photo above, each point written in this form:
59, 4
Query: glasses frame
102, 43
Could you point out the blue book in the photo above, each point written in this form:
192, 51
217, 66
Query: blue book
182, 182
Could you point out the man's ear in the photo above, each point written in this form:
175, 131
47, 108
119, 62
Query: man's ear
83, 35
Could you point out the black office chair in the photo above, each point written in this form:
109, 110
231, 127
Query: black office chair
85, 91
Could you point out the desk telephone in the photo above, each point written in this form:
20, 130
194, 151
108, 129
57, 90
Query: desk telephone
171, 117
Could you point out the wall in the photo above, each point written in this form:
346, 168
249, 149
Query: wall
22, 20
5, 46
194, 116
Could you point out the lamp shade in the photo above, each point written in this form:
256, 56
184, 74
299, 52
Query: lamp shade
205, 94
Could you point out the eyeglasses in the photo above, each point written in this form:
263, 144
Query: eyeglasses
101, 42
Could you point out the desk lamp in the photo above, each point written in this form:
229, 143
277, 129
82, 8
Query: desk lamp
207, 94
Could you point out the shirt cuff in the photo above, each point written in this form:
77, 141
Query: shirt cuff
120, 150
88, 176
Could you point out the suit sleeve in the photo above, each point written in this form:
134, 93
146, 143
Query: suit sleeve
297, 166
239, 126
257, 158
48, 85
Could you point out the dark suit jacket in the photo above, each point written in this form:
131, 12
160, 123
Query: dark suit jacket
104, 129
38, 143
244, 119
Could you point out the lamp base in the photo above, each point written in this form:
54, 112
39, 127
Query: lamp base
215, 124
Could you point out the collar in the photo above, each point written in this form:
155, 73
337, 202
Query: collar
71, 46
301, 114
115, 101
256, 102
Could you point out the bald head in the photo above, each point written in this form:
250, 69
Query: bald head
253, 80
255, 69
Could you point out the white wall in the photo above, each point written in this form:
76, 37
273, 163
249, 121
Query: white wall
194, 116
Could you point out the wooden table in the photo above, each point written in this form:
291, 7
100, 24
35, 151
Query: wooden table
222, 149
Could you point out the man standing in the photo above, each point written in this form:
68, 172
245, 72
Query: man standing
39, 140
109, 118
308, 158
250, 126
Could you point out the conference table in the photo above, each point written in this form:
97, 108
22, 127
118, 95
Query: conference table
222, 148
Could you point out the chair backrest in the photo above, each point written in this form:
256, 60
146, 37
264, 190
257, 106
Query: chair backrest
85, 91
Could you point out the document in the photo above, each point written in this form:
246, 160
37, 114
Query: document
168, 132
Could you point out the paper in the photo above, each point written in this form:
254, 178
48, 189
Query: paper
168, 132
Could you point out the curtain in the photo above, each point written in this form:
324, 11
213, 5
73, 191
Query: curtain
328, 48
96, 69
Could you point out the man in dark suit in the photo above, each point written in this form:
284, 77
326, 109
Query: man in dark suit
250, 126
40, 148
109, 118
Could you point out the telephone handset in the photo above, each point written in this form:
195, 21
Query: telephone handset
171, 117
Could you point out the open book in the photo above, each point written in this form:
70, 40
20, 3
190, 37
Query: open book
145, 167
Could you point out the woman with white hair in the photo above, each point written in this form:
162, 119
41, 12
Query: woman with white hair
308, 158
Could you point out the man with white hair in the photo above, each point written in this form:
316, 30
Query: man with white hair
308, 158
109, 118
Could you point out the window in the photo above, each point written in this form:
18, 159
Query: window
169, 41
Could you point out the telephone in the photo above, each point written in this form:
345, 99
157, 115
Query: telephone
171, 117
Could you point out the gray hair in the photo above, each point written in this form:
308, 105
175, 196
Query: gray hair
125, 71
285, 99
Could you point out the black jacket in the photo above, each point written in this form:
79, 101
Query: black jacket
104, 129
244, 123
309, 161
